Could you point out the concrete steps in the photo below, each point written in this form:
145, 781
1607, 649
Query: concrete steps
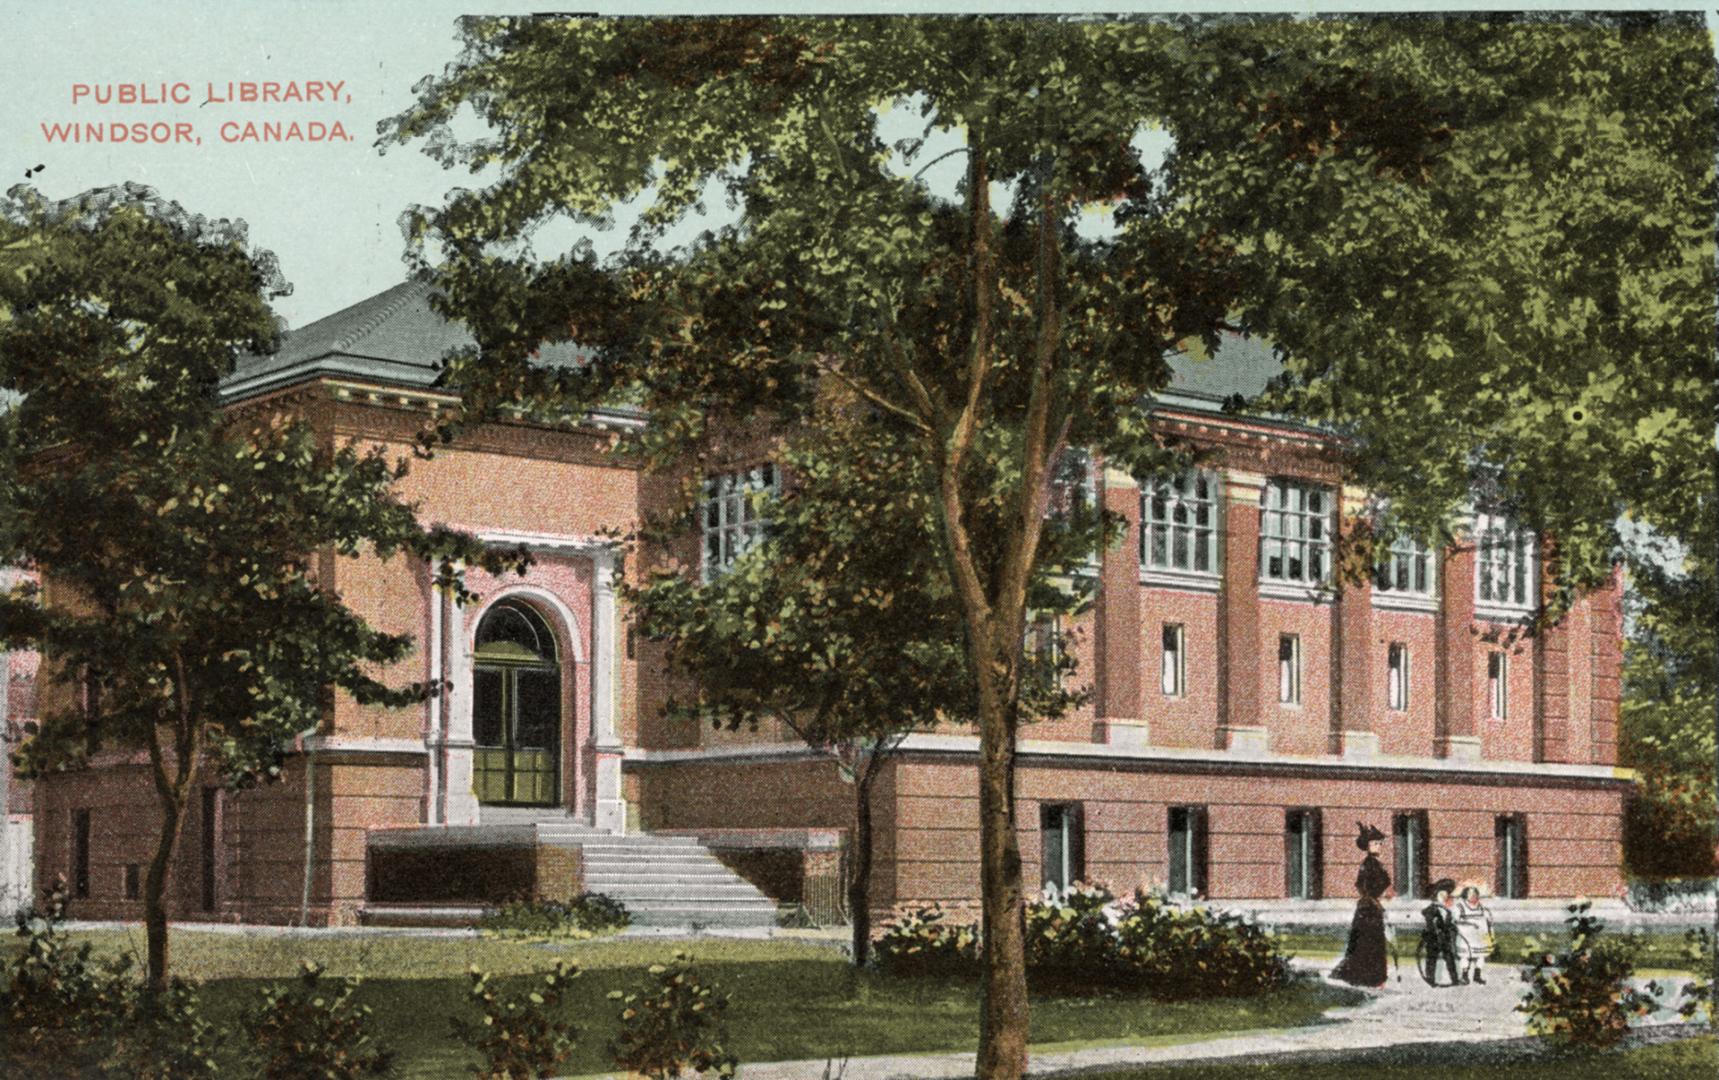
666, 882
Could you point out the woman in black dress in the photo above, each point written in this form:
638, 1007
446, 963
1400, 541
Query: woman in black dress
1363, 962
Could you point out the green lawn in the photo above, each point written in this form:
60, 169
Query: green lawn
791, 1000
1693, 1058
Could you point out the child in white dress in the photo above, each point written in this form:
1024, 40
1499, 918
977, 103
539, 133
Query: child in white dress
1474, 931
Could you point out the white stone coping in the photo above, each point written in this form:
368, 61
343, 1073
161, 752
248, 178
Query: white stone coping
1296, 592
362, 745
1423, 603
1170, 755
1519, 615
1186, 580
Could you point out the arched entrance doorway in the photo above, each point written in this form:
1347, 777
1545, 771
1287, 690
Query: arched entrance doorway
516, 708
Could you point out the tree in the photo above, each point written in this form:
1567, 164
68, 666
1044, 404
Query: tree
840, 624
988, 331
1671, 673
1541, 319
179, 544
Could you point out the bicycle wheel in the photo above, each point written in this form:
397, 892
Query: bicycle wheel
1426, 962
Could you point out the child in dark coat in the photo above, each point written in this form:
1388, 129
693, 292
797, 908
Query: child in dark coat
1441, 931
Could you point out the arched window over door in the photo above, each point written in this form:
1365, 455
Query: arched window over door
516, 708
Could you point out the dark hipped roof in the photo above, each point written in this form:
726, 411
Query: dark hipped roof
396, 339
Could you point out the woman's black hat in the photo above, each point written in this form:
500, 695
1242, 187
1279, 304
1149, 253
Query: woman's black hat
1368, 835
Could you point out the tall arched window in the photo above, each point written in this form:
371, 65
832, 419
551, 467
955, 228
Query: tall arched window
516, 708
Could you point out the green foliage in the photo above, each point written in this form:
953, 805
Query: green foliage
1537, 319
181, 542
672, 1026
164, 1036
920, 943
311, 1029
1696, 1001
1071, 939
59, 1005
587, 915
1484, 246
524, 1034
1667, 736
1580, 995
1083, 940
1195, 952
58, 1001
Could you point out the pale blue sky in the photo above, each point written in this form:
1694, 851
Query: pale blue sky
329, 211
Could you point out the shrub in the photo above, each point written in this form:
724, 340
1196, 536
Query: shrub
311, 1028
523, 1035
1071, 939
1697, 998
1581, 996
1083, 939
587, 915
673, 1025
163, 1037
57, 1001
1179, 952
920, 943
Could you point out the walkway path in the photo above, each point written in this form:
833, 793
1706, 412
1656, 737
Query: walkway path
1405, 1012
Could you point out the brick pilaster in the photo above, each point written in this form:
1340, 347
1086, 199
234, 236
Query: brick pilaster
1352, 654
1606, 680
1552, 675
1456, 713
1238, 605
1119, 644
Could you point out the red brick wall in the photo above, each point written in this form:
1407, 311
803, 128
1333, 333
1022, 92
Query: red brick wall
1305, 728
1574, 837
1410, 732
1191, 720
260, 848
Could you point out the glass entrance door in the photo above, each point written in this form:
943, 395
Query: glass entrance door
516, 709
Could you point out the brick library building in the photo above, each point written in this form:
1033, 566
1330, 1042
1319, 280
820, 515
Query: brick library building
1244, 715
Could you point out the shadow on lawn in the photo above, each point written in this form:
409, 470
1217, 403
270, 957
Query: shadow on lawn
798, 1009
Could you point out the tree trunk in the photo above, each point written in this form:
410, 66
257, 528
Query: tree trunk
1003, 987
859, 878
155, 887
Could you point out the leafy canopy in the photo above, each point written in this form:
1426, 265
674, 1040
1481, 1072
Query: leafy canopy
181, 544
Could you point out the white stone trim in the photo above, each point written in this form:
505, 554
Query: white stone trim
1187, 581
558, 543
611, 808
359, 744
1519, 616
1169, 755
1295, 592
1425, 604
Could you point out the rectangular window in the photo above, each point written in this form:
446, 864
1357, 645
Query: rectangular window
133, 882
1406, 570
1061, 830
1504, 573
1289, 669
1174, 676
1043, 646
210, 845
733, 514
1510, 857
1397, 676
81, 854
1302, 837
1498, 685
1409, 837
1295, 533
1188, 850
1179, 524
